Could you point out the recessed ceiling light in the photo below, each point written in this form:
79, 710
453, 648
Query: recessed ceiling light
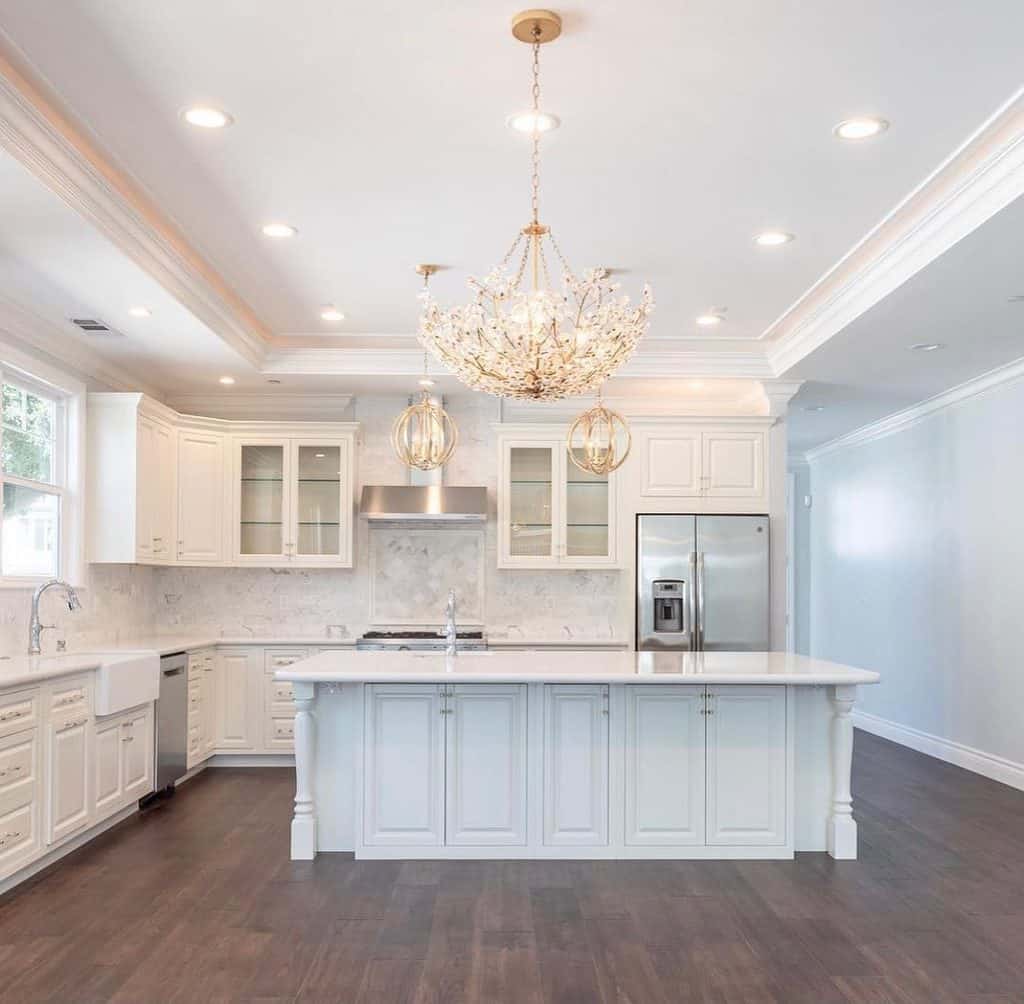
814, 407
709, 320
206, 117
926, 346
862, 127
278, 230
772, 238
331, 313
425, 382
696, 384
140, 311
531, 121
227, 380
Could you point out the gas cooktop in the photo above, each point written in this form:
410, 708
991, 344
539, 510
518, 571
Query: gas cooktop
420, 640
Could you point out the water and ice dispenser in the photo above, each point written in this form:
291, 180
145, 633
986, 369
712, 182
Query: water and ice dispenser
668, 597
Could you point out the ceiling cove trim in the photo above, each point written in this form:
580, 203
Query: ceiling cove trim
914, 415
65, 350
336, 361
231, 405
981, 177
42, 138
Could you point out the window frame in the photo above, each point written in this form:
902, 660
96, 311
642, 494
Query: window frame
68, 472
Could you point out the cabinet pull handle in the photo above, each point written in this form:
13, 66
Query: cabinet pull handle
9, 715
127, 739
72, 723
17, 769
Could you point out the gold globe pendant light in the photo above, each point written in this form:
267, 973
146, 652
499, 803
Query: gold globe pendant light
424, 436
526, 339
599, 440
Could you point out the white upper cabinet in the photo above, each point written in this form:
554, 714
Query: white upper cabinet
200, 497
293, 501
551, 514
165, 488
702, 462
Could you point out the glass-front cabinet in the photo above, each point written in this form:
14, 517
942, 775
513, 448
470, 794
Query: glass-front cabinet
551, 514
293, 501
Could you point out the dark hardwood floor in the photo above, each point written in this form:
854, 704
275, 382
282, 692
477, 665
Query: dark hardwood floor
198, 902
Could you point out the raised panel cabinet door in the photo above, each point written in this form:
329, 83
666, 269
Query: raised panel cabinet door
664, 765
576, 765
68, 775
237, 715
485, 764
733, 464
137, 743
107, 769
164, 501
403, 765
146, 487
746, 771
670, 463
200, 497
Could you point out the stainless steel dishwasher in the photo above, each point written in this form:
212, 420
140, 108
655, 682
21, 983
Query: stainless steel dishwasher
172, 722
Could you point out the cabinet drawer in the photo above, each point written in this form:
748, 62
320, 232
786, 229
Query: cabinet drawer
18, 711
18, 772
280, 693
194, 739
279, 658
66, 697
280, 732
195, 699
19, 837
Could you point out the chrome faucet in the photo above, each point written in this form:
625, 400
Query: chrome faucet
35, 628
451, 633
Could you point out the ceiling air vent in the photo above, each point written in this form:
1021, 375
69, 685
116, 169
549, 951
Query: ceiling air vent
91, 326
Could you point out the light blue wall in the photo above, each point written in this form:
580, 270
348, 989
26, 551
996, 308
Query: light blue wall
801, 555
917, 570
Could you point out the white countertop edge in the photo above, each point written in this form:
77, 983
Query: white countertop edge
854, 678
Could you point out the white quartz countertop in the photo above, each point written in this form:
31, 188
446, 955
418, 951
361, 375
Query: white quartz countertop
27, 670
349, 666
166, 644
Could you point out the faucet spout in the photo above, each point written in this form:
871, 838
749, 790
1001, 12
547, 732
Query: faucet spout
35, 627
451, 632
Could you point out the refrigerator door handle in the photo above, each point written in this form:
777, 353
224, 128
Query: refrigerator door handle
692, 601
698, 629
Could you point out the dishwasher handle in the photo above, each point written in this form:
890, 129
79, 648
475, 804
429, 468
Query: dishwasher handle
176, 671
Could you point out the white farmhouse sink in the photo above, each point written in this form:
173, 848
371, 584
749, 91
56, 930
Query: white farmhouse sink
125, 680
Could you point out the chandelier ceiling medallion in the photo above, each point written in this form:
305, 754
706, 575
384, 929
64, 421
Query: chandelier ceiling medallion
424, 435
520, 337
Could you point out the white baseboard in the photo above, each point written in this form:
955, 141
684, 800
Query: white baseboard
987, 764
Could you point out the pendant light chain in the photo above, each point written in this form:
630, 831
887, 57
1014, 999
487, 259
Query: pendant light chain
535, 180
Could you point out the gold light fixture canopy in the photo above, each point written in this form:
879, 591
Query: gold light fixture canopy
534, 330
599, 440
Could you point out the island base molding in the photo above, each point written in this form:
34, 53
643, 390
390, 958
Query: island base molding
477, 771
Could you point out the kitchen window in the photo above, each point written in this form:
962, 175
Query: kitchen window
40, 463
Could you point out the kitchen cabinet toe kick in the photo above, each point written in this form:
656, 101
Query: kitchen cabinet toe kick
562, 770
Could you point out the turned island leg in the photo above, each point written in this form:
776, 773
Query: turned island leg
842, 827
304, 818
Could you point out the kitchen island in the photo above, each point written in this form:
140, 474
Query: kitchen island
542, 754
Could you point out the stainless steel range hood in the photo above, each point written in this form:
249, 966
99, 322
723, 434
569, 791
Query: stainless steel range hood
423, 504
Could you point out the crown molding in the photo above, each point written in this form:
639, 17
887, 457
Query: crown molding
56, 152
285, 407
977, 180
914, 415
64, 351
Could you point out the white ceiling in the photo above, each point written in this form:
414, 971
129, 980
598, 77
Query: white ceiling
378, 130
961, 300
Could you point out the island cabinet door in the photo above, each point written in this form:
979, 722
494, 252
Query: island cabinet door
665, 765
403, 765
746, 749
576, 765
486, 765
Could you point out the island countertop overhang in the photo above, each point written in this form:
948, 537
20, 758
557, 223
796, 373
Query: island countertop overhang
695, 668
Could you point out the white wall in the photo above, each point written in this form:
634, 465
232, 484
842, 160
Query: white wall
917, 567
801, 556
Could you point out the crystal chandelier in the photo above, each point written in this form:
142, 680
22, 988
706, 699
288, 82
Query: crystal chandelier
424, 435
538, 343
599, 440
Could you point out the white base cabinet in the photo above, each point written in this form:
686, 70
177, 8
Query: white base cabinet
619, 771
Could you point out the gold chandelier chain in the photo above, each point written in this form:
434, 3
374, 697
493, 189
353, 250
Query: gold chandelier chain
535, 179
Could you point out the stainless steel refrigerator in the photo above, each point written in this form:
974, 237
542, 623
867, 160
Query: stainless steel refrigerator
702, 583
